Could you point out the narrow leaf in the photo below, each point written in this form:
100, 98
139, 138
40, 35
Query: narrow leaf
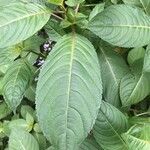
69, 92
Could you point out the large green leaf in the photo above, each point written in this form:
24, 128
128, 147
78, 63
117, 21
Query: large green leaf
90, 144
22, 140
114, 69
134, 86
69, 92
15, 83
20, 21
122, 25
138, 137
109, 126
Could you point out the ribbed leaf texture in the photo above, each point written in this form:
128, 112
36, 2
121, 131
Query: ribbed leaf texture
68, 93
20, 21
113, 69
90, 144
134, 87
22, 140
109, 126
15, 83
138, 137
122, 25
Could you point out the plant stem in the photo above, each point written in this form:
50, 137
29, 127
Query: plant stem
58, 17
145, 113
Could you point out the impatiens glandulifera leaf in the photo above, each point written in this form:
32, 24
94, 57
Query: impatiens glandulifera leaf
22, 140
20, 21
122, 25
68, 94
109, 126
16, 82
114, 68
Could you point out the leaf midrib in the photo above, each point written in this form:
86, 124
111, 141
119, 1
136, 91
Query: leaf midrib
109, 65
22, 18
136, 86
119, 136
70, 79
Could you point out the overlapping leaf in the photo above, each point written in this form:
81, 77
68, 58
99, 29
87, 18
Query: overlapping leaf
109, 126
138, 137
20, 21
114, 69
122, 25
135, 54
69, 92
16, 82
146, 66
22, 140
135, 86
145, 4
90, 144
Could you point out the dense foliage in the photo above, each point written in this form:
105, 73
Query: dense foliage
75, 74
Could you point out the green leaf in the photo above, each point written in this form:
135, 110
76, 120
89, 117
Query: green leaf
146, 66
56, 2
132, 2
19, 124
41, 140
27, 109
90, 144
30, 93
68, 93
120, 28
72, 3
109, 126
8, 54
4, 110
145, 4
97, 9
114, 69
134, 86
138, 137
7, 2
53, 29
15, 83
22, 140
135, 54
19, 21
